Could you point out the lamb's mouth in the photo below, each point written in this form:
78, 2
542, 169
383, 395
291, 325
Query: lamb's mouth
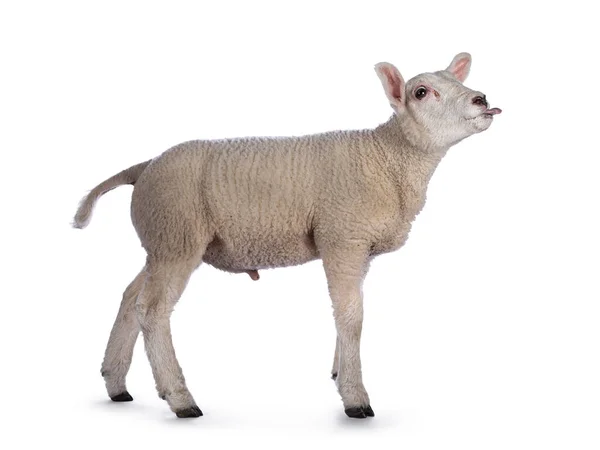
491, 112
488, 114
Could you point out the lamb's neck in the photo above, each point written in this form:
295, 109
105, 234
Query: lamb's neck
411, 160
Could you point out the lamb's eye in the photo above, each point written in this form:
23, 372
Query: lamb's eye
420, 92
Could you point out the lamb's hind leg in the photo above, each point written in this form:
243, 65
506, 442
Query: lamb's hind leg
165, 282
119, 350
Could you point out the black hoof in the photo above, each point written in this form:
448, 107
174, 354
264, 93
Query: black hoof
194, 411
360, 412
334, 376
122, 397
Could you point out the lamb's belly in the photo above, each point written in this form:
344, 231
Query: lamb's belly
271, 251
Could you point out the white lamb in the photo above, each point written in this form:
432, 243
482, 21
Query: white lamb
247, 204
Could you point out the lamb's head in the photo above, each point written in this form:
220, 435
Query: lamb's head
437, 105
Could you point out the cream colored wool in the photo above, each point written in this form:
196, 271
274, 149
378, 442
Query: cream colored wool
247, 204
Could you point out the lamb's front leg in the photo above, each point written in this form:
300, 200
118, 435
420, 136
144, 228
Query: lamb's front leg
345, 272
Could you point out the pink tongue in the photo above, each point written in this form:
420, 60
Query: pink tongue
493, 111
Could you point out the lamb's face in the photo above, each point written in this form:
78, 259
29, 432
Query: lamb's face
446, 110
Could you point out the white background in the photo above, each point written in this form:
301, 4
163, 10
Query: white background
481, 333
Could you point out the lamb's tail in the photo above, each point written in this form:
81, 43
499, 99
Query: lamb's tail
127, 176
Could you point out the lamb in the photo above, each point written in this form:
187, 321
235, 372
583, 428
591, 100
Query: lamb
246, 204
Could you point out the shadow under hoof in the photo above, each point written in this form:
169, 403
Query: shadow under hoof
122, 397
360, 412
194, 411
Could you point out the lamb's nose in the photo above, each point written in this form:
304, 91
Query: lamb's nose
480, 100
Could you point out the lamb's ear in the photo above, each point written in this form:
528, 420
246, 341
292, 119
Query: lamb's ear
393, 84
460, 66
